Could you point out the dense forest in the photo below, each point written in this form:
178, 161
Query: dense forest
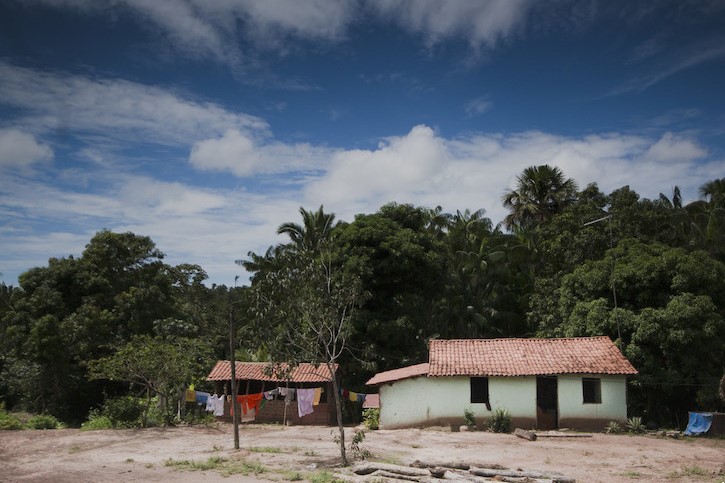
650, 274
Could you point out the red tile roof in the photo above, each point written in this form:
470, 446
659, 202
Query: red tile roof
372, 401
526, 357
255, 371
397, 374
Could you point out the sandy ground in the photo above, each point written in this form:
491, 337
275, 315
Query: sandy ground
141, 455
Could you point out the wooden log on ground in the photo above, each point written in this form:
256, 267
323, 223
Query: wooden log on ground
557, 434
522, 433
395, 476
371, 467
455, 465
555, 477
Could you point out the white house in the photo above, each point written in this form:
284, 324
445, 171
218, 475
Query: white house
576, 383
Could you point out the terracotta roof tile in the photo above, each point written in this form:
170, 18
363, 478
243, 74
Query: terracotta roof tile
255, 371
372, 401
526, 357
397, 374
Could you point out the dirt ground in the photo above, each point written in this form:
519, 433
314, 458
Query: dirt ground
280, 453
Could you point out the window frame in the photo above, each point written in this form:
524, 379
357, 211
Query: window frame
479, 390
592, 387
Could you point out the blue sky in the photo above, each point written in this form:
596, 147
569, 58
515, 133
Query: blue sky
205, 125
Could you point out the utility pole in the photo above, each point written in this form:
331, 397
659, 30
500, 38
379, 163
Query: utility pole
233, 364
614, 286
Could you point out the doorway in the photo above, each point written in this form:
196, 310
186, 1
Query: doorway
547, 409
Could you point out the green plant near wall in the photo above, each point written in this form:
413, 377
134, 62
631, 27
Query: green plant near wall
500, 421
469, 418
371, 418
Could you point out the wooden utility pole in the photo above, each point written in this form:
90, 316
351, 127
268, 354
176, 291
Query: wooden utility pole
233, 364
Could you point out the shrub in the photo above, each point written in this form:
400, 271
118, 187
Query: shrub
500, 421
469, 418
371, 418
613, 427
95, 421
124, 411
634, 425
43, 421
9, 421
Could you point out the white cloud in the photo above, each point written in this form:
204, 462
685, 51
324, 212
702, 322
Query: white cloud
481, 22
237, 153
19, 149
114, 109
477, 106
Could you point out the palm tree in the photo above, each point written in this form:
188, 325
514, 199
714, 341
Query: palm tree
541, 192
708, 216
315, 229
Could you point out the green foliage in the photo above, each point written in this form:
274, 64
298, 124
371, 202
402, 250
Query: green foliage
356, 448
635, 425
324, 477
43, 421
9, 421
96, 421
371, 418
225, 466
124, 411
499, 421
469, 418
613, 427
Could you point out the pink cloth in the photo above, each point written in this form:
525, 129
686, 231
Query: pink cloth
305, 397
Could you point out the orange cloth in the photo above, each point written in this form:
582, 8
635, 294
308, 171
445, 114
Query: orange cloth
318, 394
250, 401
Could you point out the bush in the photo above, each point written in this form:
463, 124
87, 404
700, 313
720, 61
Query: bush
613, 427
95, 421
500, 421
9, 421
469, 418
371, 418
124, 411
43, 421
634, 425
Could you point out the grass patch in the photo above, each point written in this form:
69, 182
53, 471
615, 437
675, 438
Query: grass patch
688, 472
311, 452
293, 476
632, 474
264, 449
324, 477
224, 466
129, 460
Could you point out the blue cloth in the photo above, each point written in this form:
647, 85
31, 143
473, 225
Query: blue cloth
201, 397
699, 423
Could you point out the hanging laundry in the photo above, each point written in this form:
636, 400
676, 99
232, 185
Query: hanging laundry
345, 394
318, 395
219, 406
352, 396
210, 402
270, 395
202, 398
190, 395
283, 391
304, 401
290, 395
254, 401
249, 416
361, 398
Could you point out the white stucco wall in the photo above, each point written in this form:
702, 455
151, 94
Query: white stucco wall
425, 400
614, 398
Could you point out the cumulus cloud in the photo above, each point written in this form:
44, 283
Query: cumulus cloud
19, 149
238, 154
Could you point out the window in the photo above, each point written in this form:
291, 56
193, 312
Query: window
479, 390
592, 390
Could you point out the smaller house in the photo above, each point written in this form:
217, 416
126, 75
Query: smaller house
254, 378
544, 383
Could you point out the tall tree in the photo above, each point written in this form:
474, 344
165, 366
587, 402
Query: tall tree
304, 311
541, 191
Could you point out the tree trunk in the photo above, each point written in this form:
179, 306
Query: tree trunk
338, 410
146, 409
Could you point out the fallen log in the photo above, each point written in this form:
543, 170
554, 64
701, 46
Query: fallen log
522, 433
395, 476
556, 434
371, 467
555, 477
455, 465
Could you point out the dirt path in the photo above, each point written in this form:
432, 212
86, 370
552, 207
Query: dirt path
286, 453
